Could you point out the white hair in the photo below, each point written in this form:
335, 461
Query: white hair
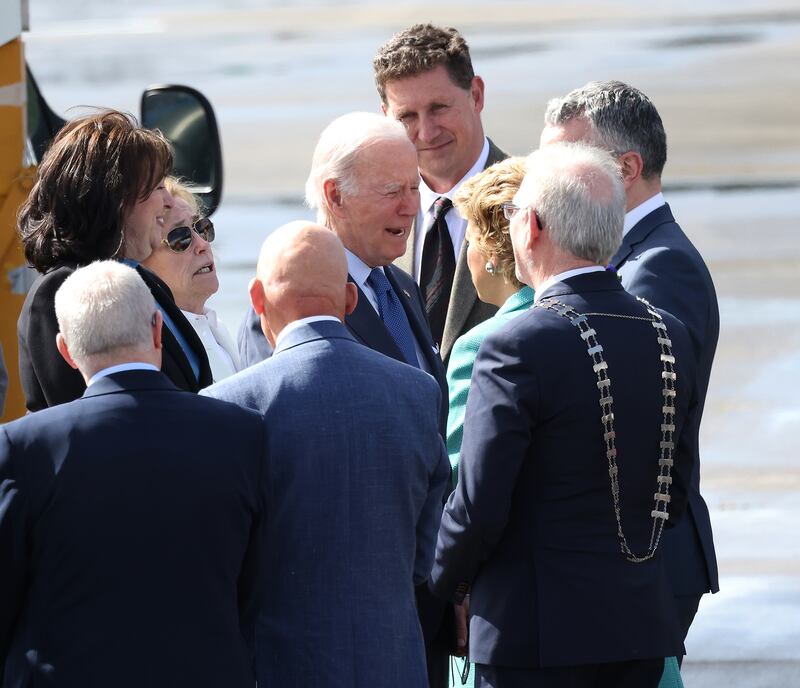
577, 191
104, 307
337, 151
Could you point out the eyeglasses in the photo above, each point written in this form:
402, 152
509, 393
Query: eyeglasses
180, 238
510, 210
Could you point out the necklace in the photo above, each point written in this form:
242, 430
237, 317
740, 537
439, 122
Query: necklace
659, 514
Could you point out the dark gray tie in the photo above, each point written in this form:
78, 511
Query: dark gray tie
438, 268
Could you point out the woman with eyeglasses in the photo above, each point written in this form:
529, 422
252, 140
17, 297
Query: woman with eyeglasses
186, 264
99, 193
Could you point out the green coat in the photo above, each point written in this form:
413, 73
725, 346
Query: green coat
459, 369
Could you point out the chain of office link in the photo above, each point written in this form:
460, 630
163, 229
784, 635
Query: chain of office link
667, 445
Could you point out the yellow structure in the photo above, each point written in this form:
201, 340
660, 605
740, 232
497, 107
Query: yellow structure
15, 181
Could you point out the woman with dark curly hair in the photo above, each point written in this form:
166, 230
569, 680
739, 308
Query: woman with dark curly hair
99, 194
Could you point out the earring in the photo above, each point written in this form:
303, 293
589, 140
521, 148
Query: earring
490, 267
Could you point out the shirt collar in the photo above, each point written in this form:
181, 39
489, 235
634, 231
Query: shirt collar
299, 323
428, 196
357, 268
633, 216
561, 276
120, 368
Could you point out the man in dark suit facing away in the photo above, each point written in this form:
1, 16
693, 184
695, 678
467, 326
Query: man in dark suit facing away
129, 517
573, 457
657, 261
357, 471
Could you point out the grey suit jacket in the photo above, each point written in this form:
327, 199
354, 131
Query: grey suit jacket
658, 262
354, 509
465, 310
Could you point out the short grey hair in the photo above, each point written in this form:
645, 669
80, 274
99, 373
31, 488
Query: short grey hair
104, 307
578, 193
621, 119
337, 150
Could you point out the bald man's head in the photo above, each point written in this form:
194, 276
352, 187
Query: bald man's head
301, 272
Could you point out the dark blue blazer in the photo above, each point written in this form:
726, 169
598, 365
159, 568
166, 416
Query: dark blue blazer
368, 328
354, 510
658, 262
531, 525
128, 539
46, 378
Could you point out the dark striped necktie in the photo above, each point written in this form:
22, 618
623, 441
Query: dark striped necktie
438, 268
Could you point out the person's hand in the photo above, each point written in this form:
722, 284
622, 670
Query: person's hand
462, 627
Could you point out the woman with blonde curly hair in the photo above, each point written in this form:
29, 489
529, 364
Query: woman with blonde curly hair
490, 257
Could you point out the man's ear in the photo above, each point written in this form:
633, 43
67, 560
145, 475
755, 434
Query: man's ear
476, 91
256, 290
385, 110
61, 345
631, 166
333, 197
351, 298
157, 324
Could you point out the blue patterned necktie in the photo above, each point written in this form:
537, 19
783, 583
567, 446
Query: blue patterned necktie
393, 315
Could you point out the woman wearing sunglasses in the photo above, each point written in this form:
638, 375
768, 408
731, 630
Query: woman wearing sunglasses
185, 262
99, 193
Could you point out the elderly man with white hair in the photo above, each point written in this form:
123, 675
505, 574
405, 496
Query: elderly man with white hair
573, 458
129, 518
364, 185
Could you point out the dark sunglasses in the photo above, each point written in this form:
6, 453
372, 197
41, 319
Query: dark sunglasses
180, 238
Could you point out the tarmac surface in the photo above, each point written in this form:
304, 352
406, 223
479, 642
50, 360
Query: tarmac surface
725, 78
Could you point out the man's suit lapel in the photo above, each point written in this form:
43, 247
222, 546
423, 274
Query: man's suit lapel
463, 298
416, 318
639, 232
163, 295
367, 326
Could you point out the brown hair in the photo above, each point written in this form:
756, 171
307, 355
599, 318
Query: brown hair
479, 200
91, 176
420, 48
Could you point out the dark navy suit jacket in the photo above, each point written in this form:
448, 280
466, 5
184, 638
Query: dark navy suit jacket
128, 539
356, 476
531, 524
46, 378
658, 262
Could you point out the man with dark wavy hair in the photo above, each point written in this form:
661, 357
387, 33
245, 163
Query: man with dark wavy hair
425, 79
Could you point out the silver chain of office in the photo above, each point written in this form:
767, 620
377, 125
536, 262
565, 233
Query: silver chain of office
667, 445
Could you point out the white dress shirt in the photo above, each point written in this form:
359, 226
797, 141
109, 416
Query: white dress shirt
120, 368
456, 225
561, 276
359, 271
642, 210
223, 357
